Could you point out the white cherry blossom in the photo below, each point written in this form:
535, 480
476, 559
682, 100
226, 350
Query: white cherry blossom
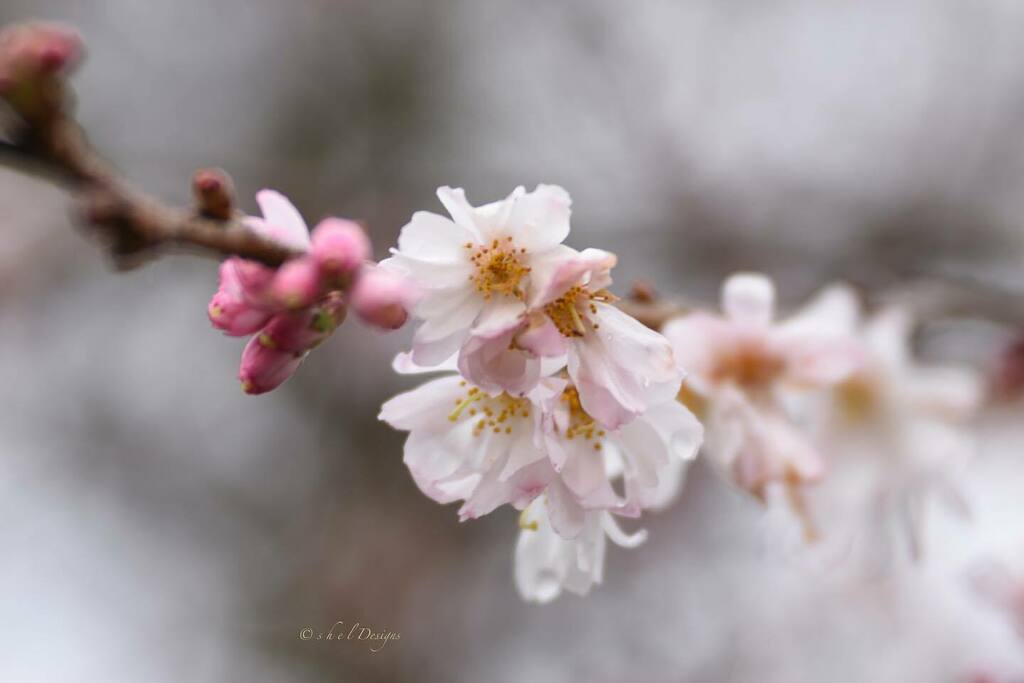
546, 563
748, 374
473, 272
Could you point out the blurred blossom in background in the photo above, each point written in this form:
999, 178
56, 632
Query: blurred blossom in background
157, 524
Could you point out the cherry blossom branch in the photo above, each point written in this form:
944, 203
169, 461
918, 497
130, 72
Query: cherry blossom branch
46, 139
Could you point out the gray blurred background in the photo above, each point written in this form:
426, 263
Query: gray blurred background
158, 525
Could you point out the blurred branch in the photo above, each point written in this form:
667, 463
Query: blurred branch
48, 142
644, 304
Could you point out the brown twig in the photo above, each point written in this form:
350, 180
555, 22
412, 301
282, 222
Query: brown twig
48, 141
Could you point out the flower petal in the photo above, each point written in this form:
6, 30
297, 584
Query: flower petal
749, 299
434, 239
540, 219
282, 221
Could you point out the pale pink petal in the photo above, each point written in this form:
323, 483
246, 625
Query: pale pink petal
567, 516
697, 340
541, 338
621, 368
492, 365
554, 276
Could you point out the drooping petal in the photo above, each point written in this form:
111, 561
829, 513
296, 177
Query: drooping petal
566, 514
619, 368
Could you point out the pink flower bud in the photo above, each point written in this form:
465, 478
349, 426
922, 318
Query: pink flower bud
339, 246
254, 280
229, 309
264, 369
214, 193
296, 284
37, 49
235, 317
382, 297
295, 332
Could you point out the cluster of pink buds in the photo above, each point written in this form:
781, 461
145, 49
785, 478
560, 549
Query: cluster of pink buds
293, 308
32, 58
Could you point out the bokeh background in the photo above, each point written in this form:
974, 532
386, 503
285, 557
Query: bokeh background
158, 525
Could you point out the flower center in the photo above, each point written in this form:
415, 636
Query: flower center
569, 311
749, 365
499, 413
580, 422
857, 398
499, 268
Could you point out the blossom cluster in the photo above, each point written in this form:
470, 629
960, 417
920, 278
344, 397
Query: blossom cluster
557, 403
292, 309
553, 400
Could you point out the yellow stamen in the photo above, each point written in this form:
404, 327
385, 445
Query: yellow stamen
524, 522
472, 398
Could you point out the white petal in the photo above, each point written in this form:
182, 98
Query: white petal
499, 317
283, 221
425, 407
454, 200
567, 517
540, 219
947, 393
431, 275
645, 453
430, 237
888, 335
403, 364
618, 536
749, 299
834, 311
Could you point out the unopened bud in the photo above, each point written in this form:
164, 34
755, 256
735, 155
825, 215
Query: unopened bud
294, 332
264, 368
214, 193
296, 284
339, 246
382, 297
32, 55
